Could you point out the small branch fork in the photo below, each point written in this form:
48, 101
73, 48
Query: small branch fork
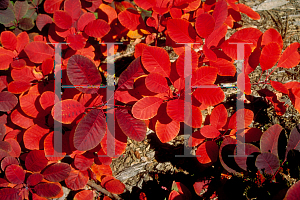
102, 190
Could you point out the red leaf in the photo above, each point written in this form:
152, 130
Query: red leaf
67, 110
167, 131
97, 28
290, 57
9, 160
156, 83
34, 179
194, 120
47, 190
248, 118
241, 150
209, 131
9, 194
50, 152
220, 13
83, 161
195, 139
279, 87
214, 38
73, 8
207, 152
204, 75
52, 5
252, 134
42, 20
199, 186
18, 87
107, 12
218, 117
209, 96
15, 174
133, 128
175, 109
248, 35
84, 195
84, 20
22, 41
156, 59
130, 19
24, 74
82, 71
62, 19
279, 106
102, 158
294, 141
9, 40
205, 24
18, 118
5, 61
267, 163
180, 62
243, 83
269, 56
28, 104
5, 146
174, 195
269, 139
76, 42
101, 170
272, 35
7, 101
293, 192
146, 108
133, 71
36, 161
16, 149
112, 185
90, 130
18, 64
181, 31
57, 172
47, 66
77, 179
248, 11
33, 137
145, 4
38, 51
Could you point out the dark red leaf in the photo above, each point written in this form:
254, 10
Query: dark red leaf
73, 8
47, 190
15, 174
267, 163
83, 72
134, 128
18, 64
7, 101
195, 139
294, 141
42, 20
16, 149
9, 160
20, 8
83, 161
57, 172
76, 42
34, 179
52, 5
36, 161
84, 195
53, 153
242, 150
9, 194
33, 137
90, 130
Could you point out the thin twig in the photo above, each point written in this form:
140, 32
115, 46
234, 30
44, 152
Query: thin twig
102, 190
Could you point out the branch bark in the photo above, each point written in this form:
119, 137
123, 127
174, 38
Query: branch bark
102, 190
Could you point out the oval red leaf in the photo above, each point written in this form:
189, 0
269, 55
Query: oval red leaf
67, 110
156, 83
7, 101
134, 128
16, 149
130, 19
112, 185
167, 131
209, 96
62, 19
293, 192
42, 20
18, 117
146, 108
84, 195
90, 130
83, 161
97, 28
272, 35
33, 137
207, 152
205, 24
181, 31
269, 56
34, 179
248, 11
77, 179
248, 118
279, 87
9, 40
38, 51
267, 163
51, 153
15, 174
57, 172
9, 160
218, 117
290, 57
47, 190
175, 109
209, 131
83, 72
269, 139
156, 59
204, 76
36, 161
18, 87
10, 193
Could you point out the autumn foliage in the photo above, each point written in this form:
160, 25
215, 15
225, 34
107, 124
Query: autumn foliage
150, 92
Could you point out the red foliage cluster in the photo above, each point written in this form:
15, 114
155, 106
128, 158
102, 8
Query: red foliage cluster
149, 94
